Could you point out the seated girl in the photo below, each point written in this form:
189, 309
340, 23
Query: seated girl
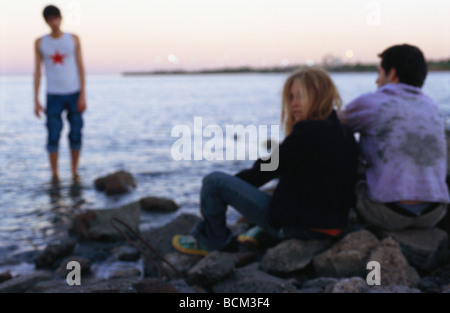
317, 170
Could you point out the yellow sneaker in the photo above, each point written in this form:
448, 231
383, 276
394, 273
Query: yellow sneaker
187, 244
250, 236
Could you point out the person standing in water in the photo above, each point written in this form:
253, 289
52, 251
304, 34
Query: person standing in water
65, 88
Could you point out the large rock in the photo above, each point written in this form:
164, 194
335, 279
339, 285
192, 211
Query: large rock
85, 267
394, 267
157, 204
160, 239
5, 276
392, 289
126, 253
318, 285
211, 269
423, 248
349, 285
181, 262
348, 257
96, 224
250, 279
89, 285
291, 256
115, 183
52, 253
22, 284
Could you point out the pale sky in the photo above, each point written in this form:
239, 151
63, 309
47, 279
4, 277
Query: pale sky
146, 35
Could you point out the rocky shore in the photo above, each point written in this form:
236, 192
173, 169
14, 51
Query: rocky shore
410, 261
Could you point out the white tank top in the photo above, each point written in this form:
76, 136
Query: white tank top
60, 64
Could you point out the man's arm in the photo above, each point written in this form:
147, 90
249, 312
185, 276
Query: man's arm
82, 98
37, 78
360, 114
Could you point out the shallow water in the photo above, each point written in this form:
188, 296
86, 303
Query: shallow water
128, 126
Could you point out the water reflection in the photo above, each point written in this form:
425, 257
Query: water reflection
60, 193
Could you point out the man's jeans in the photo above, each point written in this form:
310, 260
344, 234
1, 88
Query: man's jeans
56, 105
220, 190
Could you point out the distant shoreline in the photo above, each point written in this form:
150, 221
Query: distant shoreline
439, 66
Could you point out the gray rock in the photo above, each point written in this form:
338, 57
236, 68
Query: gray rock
4, 276
244, 258
89, 285
446, 289
349, 285
182, 263
395, 269
290, 256
154, 285
250, 279
392, 289
96, 224
115, 183
423, 248
182, 287
347, 258
155, 204
52, 253
160, 239
211, 269
126, 253
85, 267
124, 273
319, 284
22, 284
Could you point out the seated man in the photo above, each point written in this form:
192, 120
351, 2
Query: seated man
402, 141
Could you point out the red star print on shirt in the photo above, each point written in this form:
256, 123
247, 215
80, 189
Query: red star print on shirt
58, 58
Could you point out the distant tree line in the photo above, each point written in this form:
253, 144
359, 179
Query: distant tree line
443, 65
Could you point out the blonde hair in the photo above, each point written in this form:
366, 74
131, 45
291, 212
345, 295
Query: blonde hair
318, 93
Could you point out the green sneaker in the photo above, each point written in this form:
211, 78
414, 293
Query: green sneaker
250, 236
187, 244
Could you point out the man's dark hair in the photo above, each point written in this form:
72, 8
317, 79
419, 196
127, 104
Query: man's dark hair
51, 10
408, 62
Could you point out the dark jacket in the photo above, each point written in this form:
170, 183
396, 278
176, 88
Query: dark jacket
317, 175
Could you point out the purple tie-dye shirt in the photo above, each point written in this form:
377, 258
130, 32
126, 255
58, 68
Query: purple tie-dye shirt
402, 137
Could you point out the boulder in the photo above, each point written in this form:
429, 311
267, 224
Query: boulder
392, 289
423, 248
89, 285
154, 285
349, 285
291, 256
347, 257
155, 204
182, 263
160, 239
126, 253
250, 279
211, 269
22, 284
96, 224
115, 183
85, 267
5, 276
52, 253
394, 267
318, 285
124, 273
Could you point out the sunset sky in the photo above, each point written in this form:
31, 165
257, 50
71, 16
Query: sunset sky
146, 35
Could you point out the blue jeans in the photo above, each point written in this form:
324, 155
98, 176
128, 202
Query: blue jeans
220, 190
56, 105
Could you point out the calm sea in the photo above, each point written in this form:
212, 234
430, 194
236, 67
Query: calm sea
128, 126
